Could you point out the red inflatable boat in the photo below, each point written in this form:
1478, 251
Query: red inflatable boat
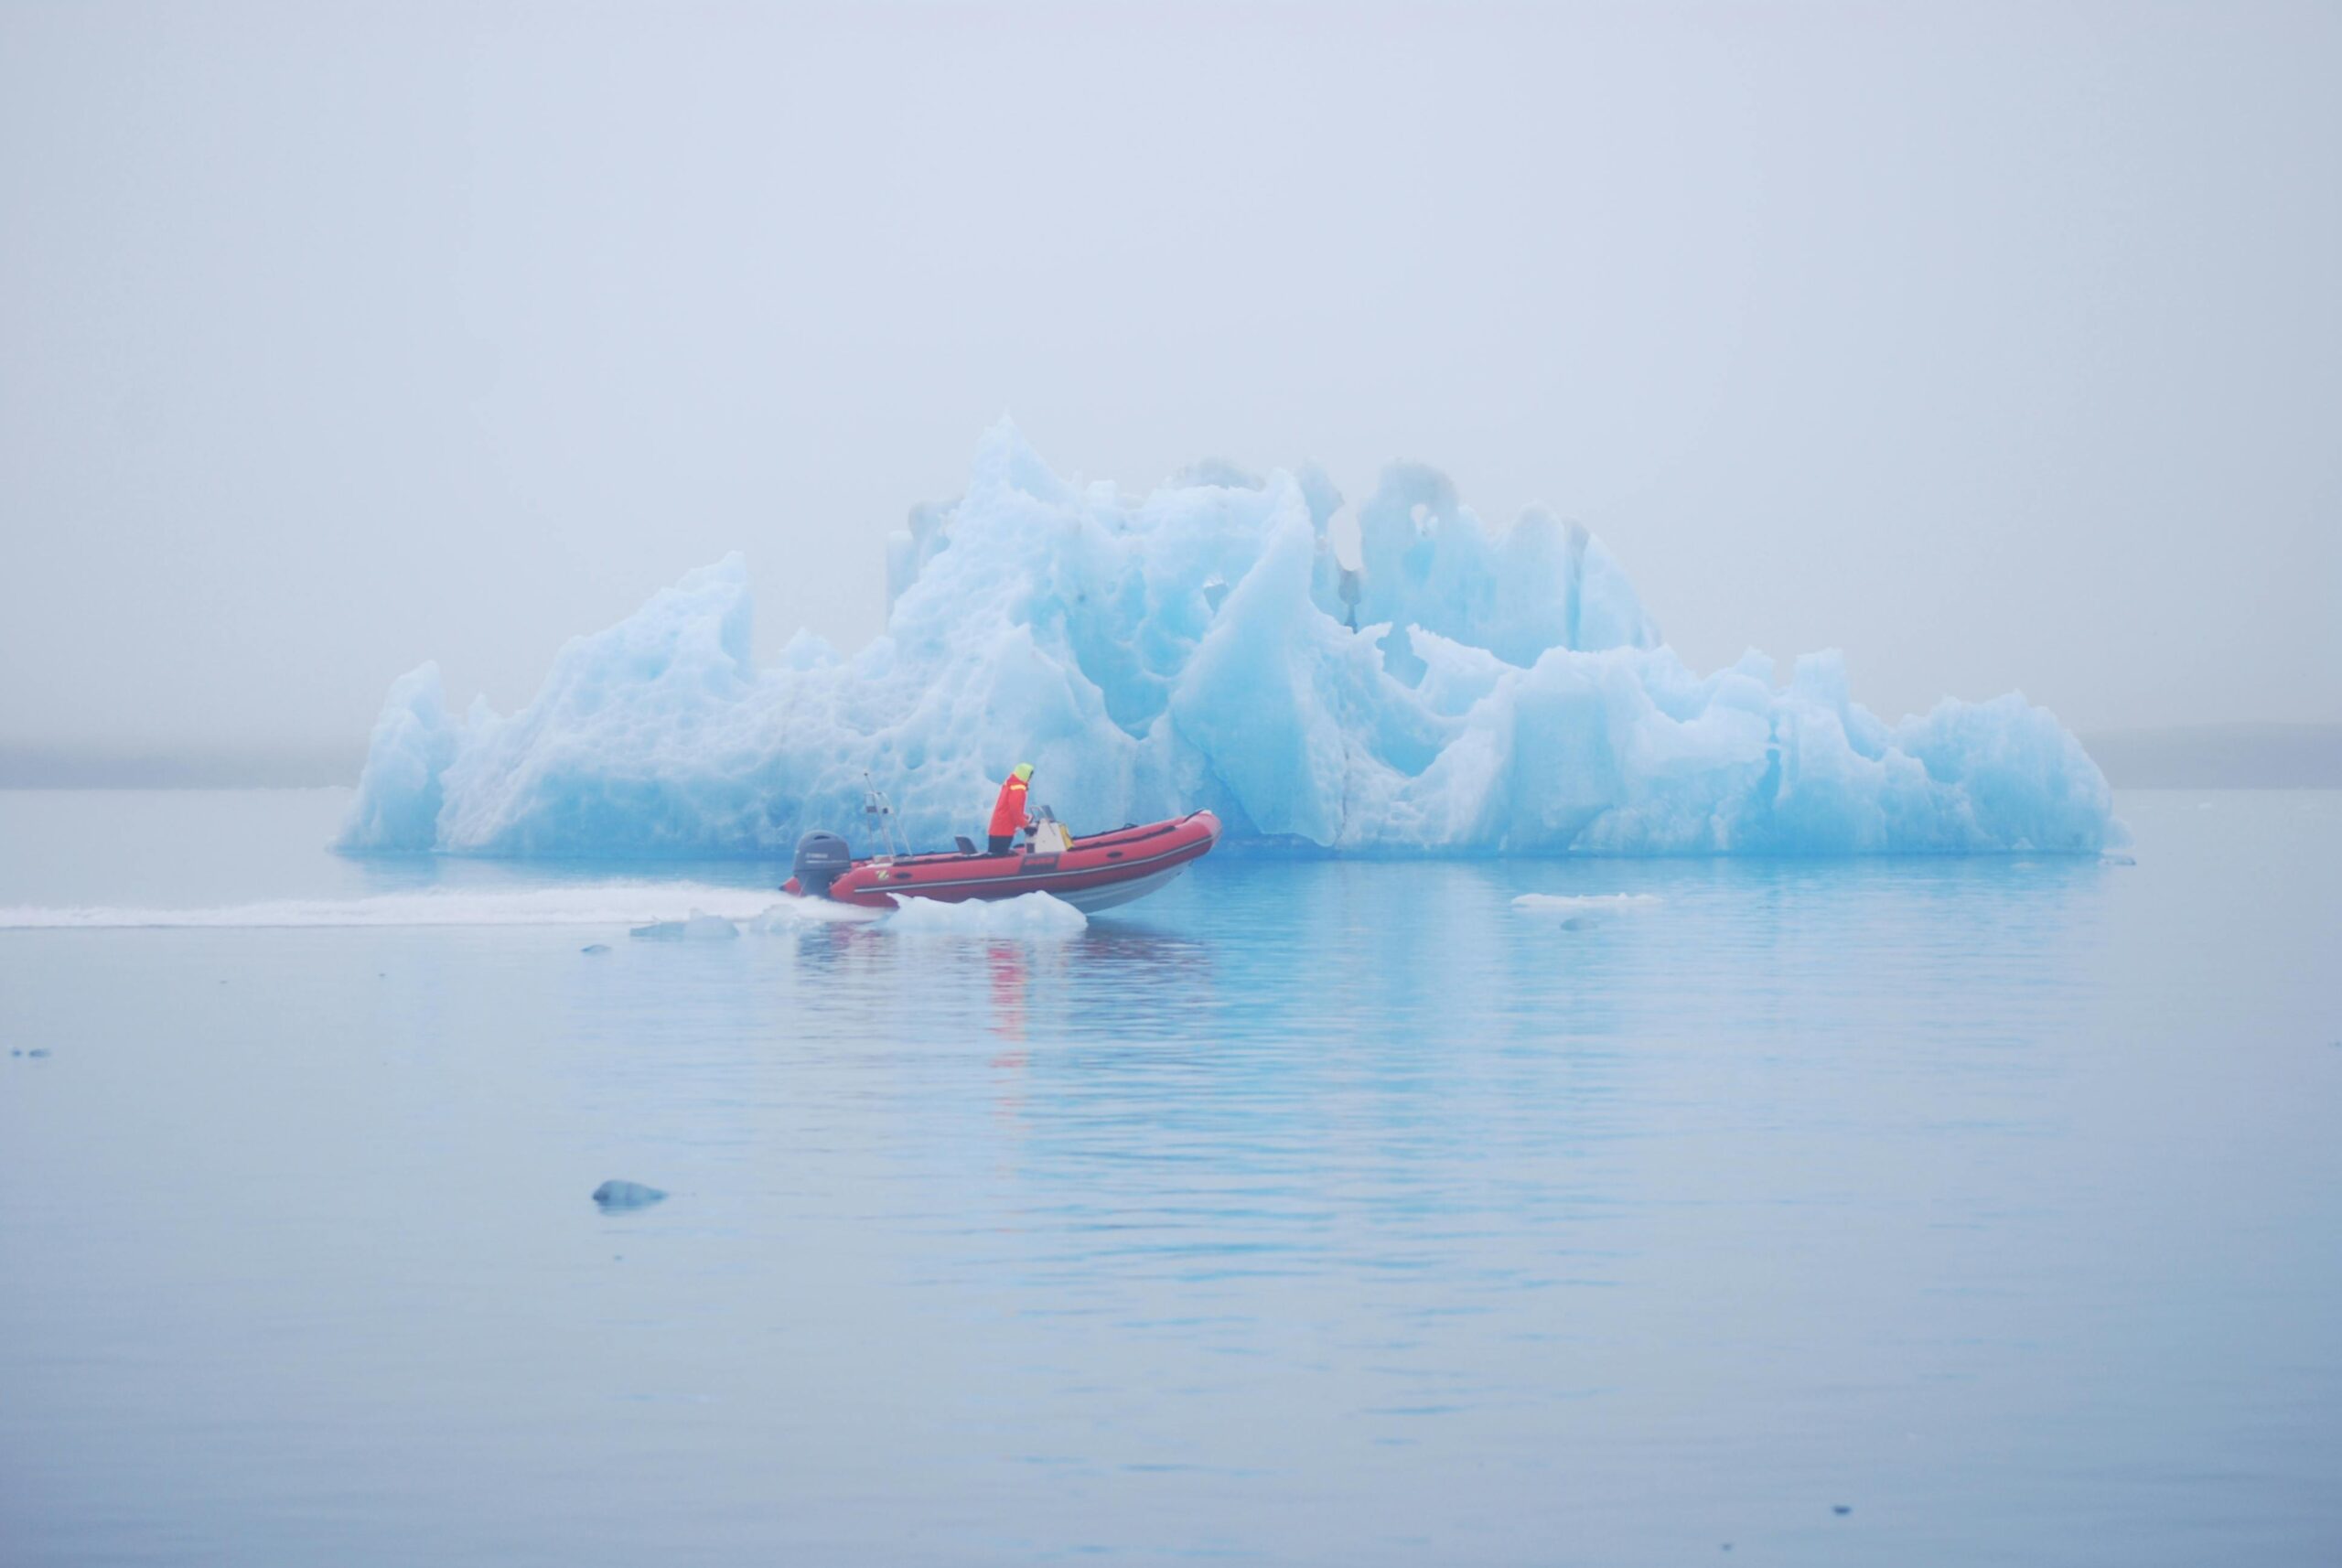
1093, 873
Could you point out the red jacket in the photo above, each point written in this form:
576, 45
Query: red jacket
1008, 811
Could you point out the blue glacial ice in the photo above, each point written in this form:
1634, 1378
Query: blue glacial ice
1504, 692
615, 1196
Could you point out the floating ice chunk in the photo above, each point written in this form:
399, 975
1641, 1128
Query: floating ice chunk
1030, 915
594, 948
1505, 692
614, 1195
699, 927
1587, 903
1577, 906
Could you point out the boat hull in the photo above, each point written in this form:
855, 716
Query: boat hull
1089, 900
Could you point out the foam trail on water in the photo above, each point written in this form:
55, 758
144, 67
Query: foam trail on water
796, 914
595, 904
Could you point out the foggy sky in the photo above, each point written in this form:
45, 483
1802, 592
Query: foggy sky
1999, 347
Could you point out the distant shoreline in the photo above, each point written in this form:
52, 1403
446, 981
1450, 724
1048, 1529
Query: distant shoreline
93, 768
2243, 756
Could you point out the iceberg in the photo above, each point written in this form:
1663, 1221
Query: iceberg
1461, 690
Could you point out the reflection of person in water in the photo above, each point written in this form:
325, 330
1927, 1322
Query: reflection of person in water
1011, 979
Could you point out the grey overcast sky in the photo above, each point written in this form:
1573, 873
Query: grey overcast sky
1999, 345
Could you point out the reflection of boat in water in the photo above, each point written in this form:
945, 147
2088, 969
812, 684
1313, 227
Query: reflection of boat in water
1093, 873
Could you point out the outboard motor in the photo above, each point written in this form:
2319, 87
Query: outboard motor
821, 859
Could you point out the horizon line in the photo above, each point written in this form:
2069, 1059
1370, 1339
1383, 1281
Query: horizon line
2217, 754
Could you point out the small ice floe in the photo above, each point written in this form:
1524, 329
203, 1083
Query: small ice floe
1583, 911
594, 948
701, 927
37, 1053
1033, 916
616, 1196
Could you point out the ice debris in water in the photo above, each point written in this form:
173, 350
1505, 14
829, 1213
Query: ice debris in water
699, 927
1585, 903
1028, 915
1503, 692
618, 1194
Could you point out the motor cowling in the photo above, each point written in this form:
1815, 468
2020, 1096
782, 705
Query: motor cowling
821, 859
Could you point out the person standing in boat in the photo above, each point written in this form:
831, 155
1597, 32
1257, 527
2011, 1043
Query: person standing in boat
1008, 812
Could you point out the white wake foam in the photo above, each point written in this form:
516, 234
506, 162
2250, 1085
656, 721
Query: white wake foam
594, 904
798, 914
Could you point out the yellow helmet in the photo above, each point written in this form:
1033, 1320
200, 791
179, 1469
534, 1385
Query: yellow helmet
1022, 772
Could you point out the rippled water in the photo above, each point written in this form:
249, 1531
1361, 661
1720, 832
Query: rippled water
1305, 1213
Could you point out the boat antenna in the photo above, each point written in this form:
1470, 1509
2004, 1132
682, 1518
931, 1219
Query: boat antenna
875, 804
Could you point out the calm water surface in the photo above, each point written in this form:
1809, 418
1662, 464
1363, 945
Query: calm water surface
1328, 1213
